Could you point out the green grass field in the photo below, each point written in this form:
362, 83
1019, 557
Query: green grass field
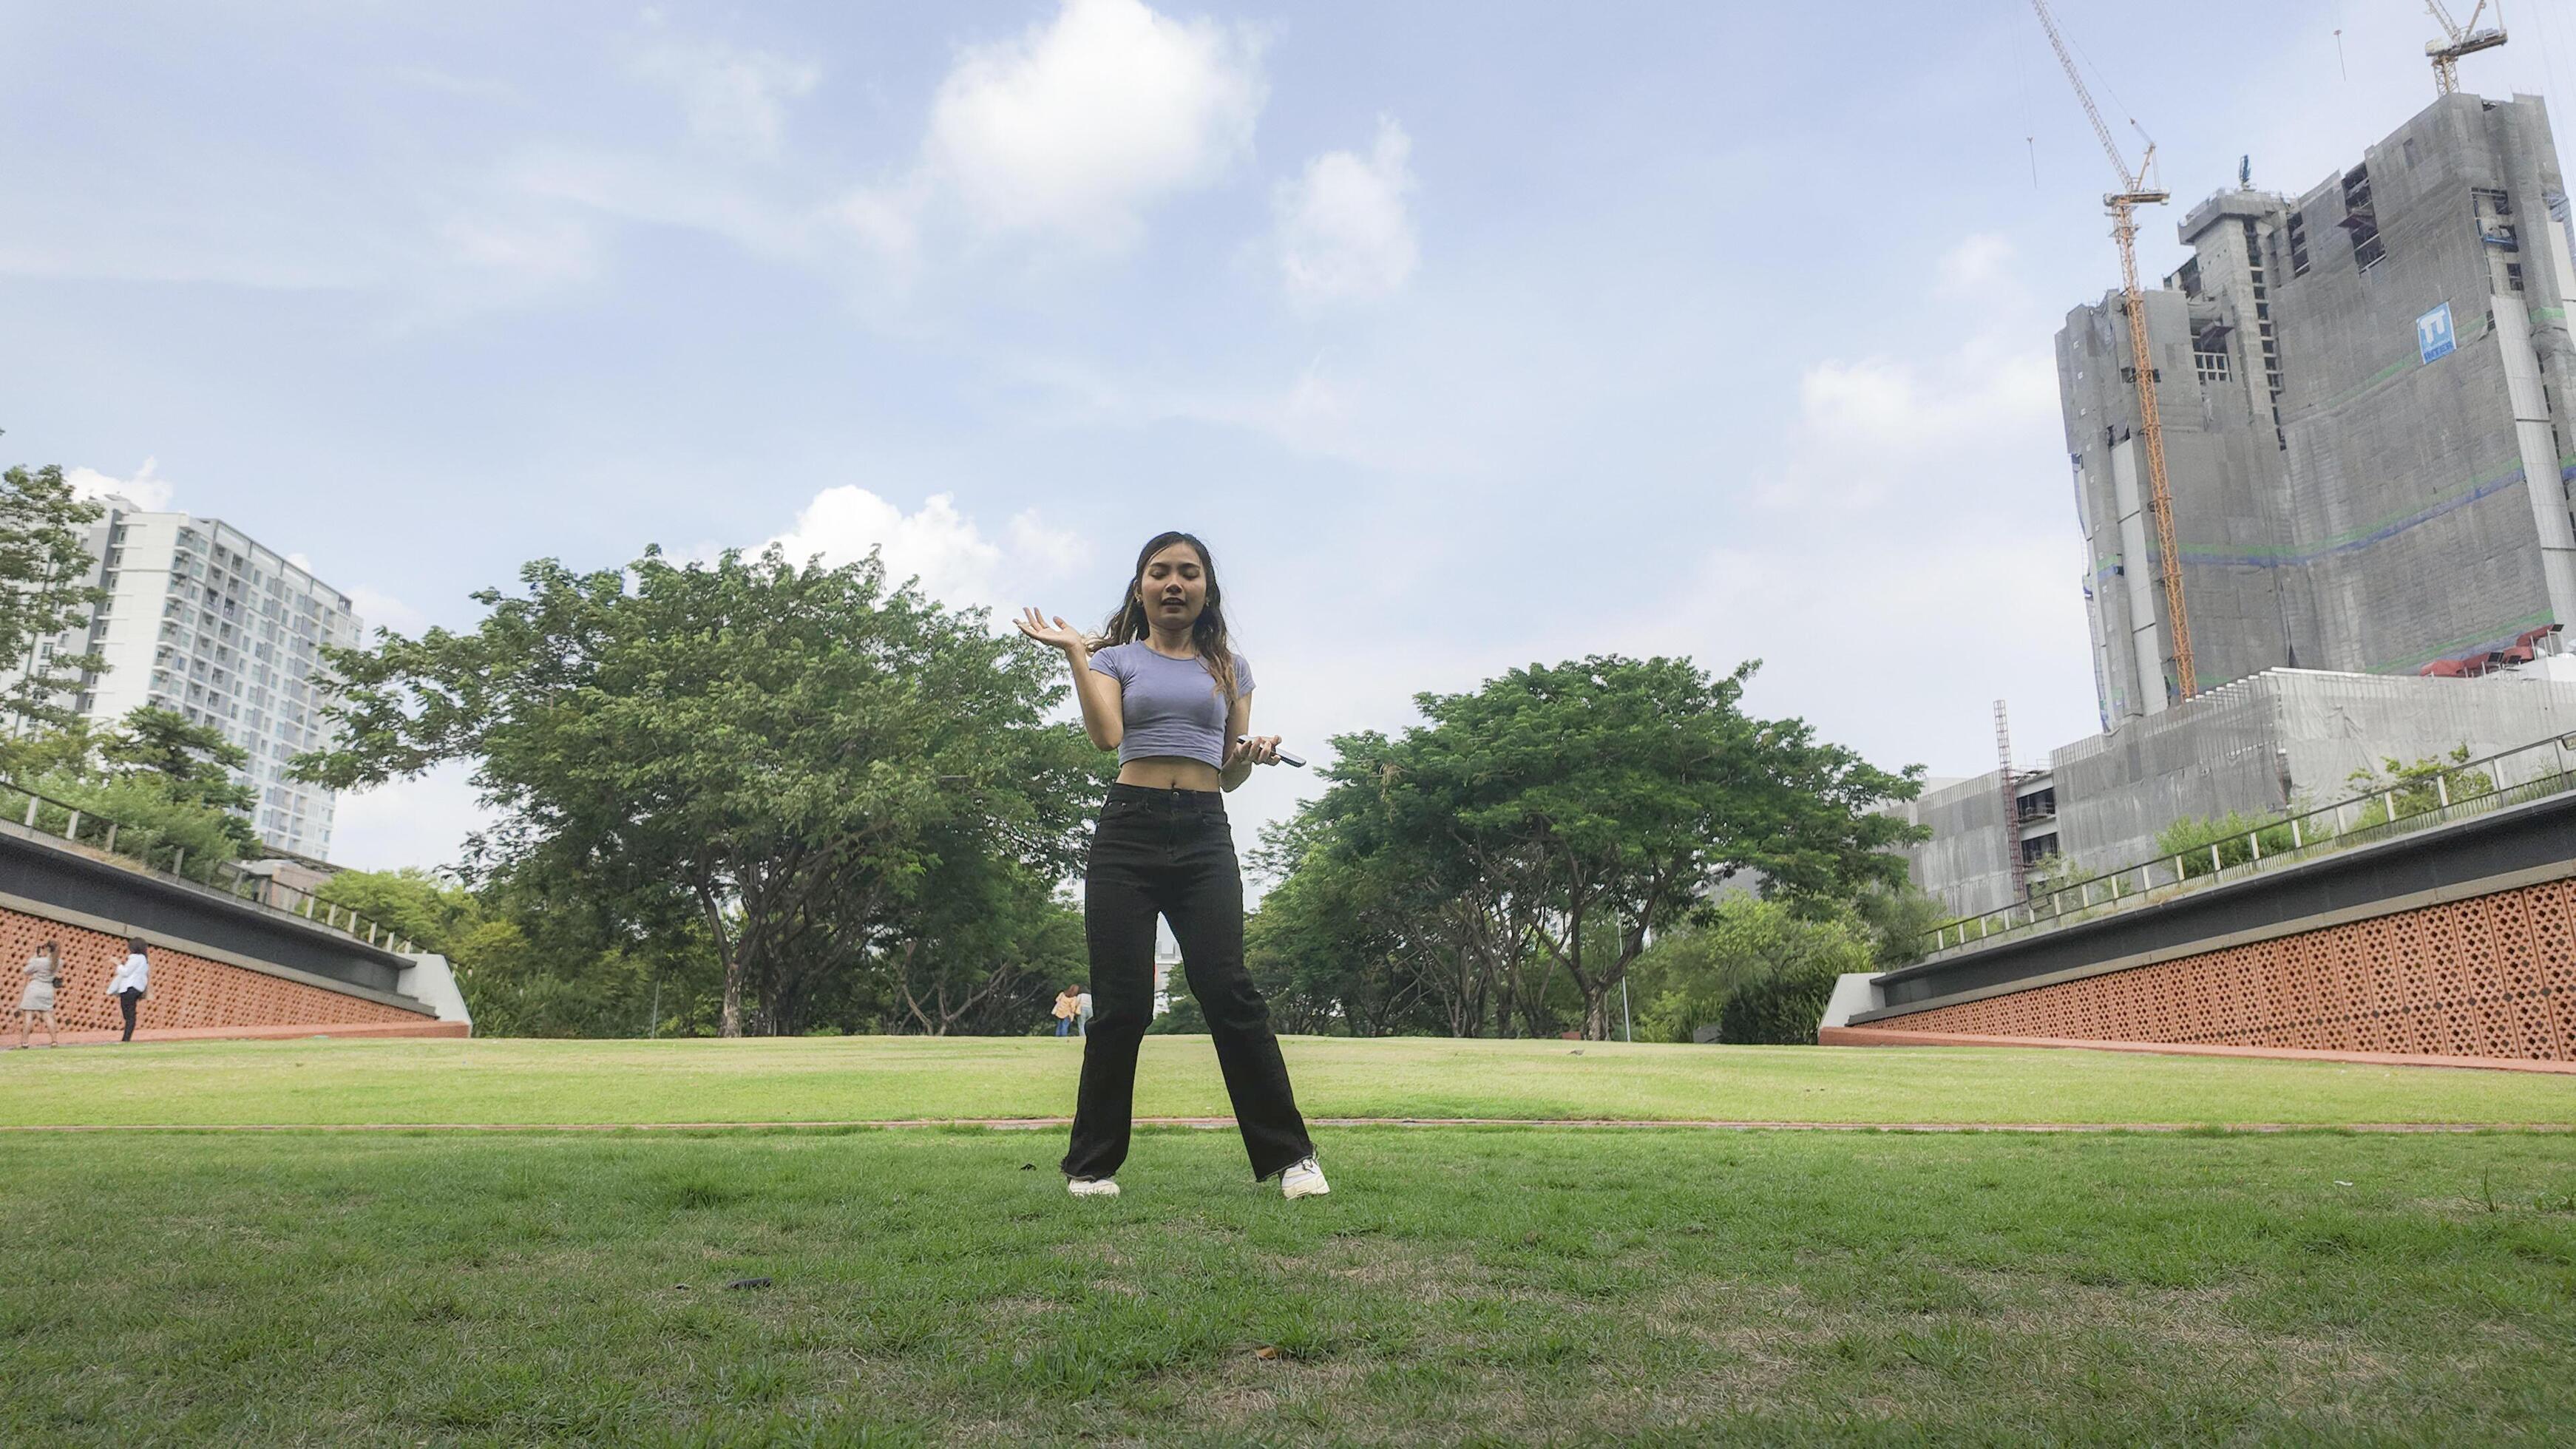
1461, 1285
883, 1078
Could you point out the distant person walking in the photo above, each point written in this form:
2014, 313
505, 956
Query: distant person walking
44, 974
130, 983
1082, 1014
1162, 685
1068, 1005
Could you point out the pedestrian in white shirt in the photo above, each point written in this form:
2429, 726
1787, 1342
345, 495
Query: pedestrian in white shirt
131, 982
1082, 1008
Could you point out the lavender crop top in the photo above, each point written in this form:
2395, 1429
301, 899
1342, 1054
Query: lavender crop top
1171, 705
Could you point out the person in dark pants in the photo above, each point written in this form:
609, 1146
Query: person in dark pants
131, 982
1163, 687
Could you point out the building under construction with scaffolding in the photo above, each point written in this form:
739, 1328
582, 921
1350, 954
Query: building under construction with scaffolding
2366, 395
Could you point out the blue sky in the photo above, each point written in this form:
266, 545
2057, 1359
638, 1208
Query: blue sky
1467, 334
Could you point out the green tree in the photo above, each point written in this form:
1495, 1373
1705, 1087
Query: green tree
1181, 1015
1598, 801
151, 826
2232, 837
1329, 954
70, 749
164, 818
437, 916
983, 948
1381, 923
778, 752
2419, 787
45, 590
537, 967
1757, 970
192, 764
1897, 918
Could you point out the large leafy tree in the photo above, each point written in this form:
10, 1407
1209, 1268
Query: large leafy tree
1370, 929
982, 948
777, 752
45, 590
192, 764
541, 964
1562, 815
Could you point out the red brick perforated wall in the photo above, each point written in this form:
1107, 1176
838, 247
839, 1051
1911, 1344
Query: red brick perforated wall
186, 990
2492, 976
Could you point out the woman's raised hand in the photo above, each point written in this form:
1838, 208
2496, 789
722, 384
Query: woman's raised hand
1058, 634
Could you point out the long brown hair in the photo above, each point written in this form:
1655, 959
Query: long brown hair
1127, 625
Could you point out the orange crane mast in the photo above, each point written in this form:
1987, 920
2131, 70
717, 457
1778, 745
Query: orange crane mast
2122, 204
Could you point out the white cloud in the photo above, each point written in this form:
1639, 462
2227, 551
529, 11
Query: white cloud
1978, 262
1057, 550
1073, 128
1343, 231
1931, 429
1877, 402
664, 191
543, 249
146, 490
944, 548
735, 100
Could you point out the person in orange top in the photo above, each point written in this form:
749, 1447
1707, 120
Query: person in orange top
1068, 1004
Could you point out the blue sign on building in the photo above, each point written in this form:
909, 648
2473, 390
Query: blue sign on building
2433, 333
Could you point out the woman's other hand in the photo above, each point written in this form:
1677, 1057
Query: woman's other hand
1057, 634
1257, 750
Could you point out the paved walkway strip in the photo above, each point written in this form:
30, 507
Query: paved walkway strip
1038, 1124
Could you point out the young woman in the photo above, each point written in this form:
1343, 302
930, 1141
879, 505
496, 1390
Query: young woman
44, 973
131, 983
1068, 1002
1162, 687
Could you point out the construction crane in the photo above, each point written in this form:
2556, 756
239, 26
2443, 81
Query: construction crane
2122, 204
2465, 40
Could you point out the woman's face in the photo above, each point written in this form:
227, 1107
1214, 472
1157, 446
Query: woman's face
1173, 587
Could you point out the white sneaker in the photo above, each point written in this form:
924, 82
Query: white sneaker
1303, 1180
1091, 1186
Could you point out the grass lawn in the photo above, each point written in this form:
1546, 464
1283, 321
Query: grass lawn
1498, 1285
878, 1078
1461, 1285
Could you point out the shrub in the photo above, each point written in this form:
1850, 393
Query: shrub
2192, 839
2417, 788
1755, 968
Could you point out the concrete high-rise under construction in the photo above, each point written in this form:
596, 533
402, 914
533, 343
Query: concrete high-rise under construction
2366, 394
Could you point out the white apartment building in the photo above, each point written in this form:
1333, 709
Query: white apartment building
202, 619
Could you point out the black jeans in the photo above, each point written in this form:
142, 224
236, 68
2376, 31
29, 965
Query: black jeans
125, 1003
1168, 852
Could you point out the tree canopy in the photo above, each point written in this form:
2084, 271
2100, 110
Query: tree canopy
44, 590
780, 757
1532, 836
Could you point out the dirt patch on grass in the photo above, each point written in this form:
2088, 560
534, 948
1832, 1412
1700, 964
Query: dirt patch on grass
1019, 1310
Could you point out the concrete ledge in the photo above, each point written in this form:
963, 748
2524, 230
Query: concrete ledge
1855, 993
1862, 1036
36, 1038
2482, 854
